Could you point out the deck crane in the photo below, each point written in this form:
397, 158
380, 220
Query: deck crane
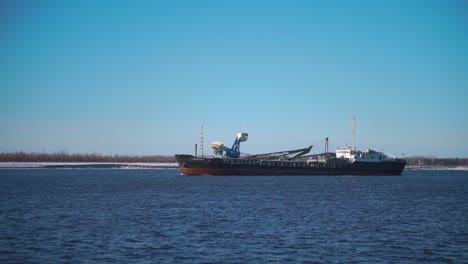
234, 152
287, 154
221, 150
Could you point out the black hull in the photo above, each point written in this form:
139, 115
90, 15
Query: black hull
190, 165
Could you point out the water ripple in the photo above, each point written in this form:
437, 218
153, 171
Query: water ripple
146, 216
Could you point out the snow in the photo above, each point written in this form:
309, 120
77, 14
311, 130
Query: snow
461, 168
86, 164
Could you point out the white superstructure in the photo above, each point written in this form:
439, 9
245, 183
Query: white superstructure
368, 155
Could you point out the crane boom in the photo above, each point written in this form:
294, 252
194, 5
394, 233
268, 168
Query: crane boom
220, 150
282, 154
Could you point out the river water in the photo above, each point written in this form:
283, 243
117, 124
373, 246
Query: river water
158, 216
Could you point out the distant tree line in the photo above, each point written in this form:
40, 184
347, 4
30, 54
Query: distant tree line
433, 161
66, 157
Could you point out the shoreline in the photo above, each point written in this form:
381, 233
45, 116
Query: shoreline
433, 167
86, 165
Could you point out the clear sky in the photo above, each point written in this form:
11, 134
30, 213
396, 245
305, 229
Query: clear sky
141, 77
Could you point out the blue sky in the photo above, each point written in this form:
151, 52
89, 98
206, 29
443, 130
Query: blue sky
141, 77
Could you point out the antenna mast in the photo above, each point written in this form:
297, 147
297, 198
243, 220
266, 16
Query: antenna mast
326, 145
201, 141
354, 132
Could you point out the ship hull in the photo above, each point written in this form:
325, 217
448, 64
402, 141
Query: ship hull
190, 165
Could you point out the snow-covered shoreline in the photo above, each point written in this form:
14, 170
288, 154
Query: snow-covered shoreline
80, 165
436, 168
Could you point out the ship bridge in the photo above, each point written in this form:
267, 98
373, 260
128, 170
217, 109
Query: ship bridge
368, 155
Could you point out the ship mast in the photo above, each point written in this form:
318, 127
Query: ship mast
201, 141
354, 132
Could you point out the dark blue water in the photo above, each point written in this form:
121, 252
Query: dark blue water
158, 216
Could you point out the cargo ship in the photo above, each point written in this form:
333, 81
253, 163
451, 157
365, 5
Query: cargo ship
344, 161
